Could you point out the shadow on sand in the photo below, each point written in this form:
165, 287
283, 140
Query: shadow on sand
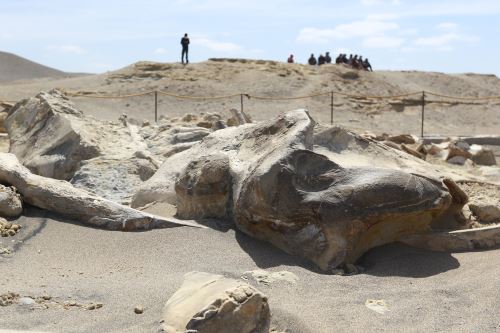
406, 261
266, 255
388, 260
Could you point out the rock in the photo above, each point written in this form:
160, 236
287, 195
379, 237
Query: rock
139, 309
11, 204
461, 144
94, 306
281, 182
458, 160
483, 156
190, 136
208, 303
456, 151
3, 116
204, 188
45, 134
61, 197
378, 306
392, 144
403, 138
26, 301
488, 212
113, 179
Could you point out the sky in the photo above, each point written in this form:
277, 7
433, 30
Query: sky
96, 36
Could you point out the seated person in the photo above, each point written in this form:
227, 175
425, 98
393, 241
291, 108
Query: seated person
321, 60
328, 59
312, 60
367, 66
290, 59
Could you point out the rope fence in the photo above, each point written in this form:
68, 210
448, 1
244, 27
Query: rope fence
420, 98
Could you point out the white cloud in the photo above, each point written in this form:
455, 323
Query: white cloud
383, 42
71, 49
448, 26
443, 42
160, 50
380, 2
217, 45
365, 28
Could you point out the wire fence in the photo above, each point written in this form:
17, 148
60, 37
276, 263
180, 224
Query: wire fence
245, 101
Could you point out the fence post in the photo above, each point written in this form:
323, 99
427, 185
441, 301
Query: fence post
331, 108
423, 112
241, 102
156, 106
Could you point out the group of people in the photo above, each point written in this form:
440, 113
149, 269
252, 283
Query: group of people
356, 61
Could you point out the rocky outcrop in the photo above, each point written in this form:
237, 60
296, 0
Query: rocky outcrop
208, 303
11, 204
282, 183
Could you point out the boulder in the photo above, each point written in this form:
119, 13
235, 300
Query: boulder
311, 194
458, 160
11, 204
454, 151
208, 303
483, 156
46, 135
488, 212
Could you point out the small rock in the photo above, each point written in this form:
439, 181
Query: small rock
378, 306
403, 138
94, 306
458, 160
486, 212
139, 309
26, 301
484, 157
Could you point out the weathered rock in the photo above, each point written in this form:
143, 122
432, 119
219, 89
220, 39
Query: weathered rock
45, 134
483, 156
324, 205
309, 206
488, 212
458, 160
454, 151
112, 178
402, 138
61, 197
3, 116
208, 303
11, 204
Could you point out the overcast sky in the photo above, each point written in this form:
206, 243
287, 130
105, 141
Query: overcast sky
96, 36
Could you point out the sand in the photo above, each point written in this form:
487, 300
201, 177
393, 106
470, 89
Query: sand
73, 264
424, 291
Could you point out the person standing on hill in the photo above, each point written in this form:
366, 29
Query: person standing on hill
185, 48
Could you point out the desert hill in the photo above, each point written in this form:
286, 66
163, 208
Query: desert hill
14, 68
221, 77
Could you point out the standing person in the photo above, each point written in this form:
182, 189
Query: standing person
328, 59
312, 60
185, 48
290, 59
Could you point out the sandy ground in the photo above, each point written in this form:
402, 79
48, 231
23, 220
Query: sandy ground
424, 291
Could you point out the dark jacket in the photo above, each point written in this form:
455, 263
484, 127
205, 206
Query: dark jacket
185, 42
